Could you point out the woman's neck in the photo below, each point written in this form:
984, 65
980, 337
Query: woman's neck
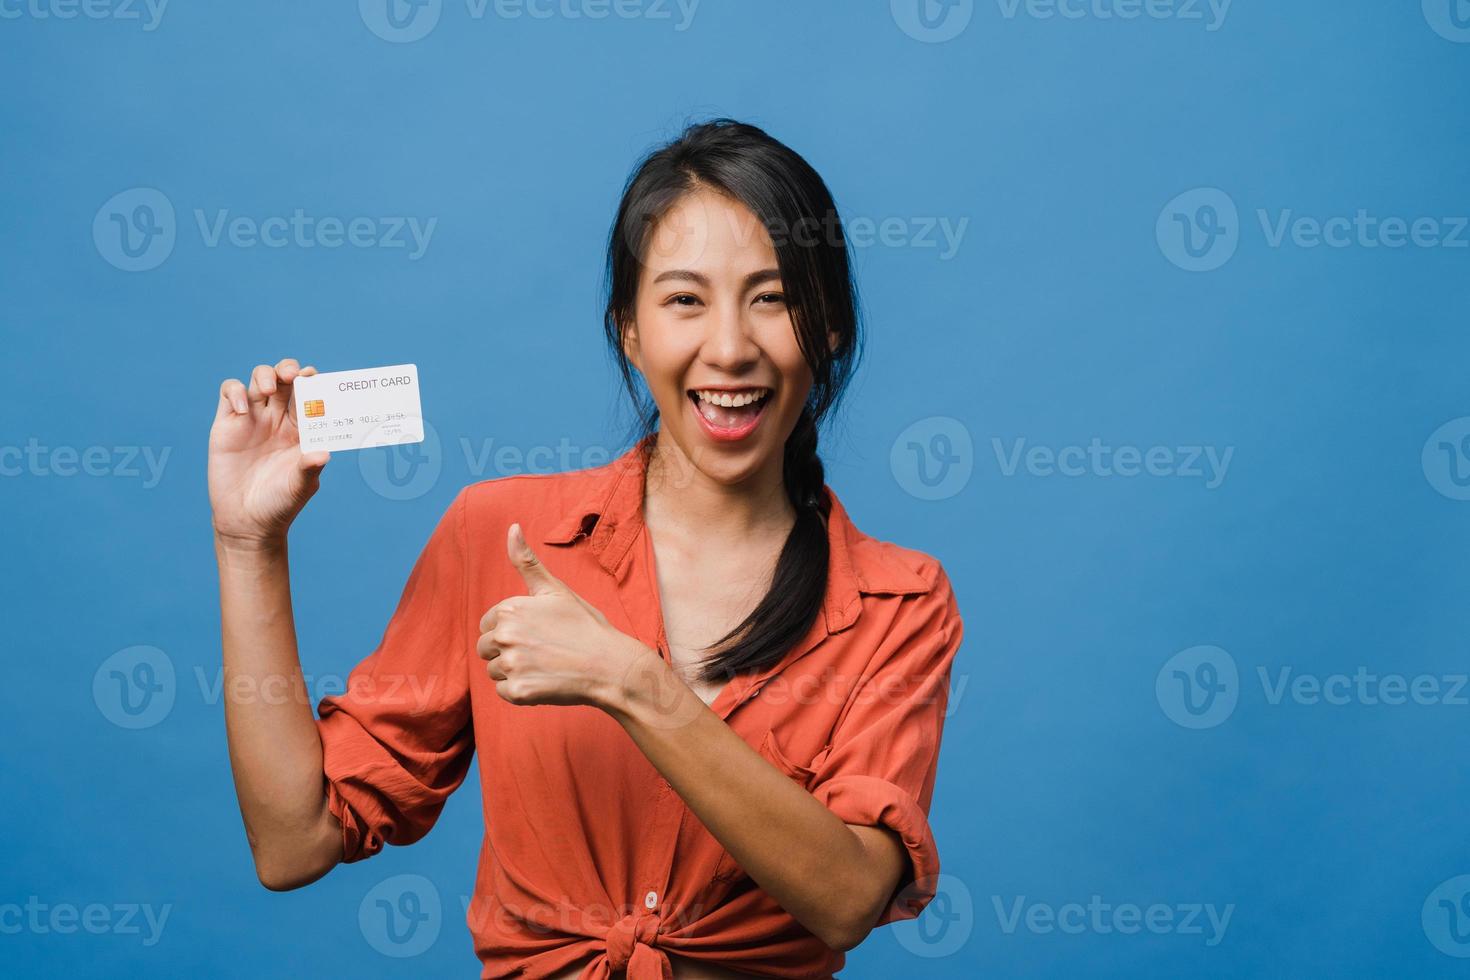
679, 496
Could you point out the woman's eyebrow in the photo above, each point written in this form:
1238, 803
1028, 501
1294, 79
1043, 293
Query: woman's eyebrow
684, 274
699, 278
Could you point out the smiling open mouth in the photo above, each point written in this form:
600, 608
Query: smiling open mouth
729, 413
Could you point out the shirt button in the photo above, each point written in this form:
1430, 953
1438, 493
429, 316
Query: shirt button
650, 900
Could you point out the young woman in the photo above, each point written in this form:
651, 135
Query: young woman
708, 708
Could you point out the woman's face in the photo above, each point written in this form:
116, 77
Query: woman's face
714, 340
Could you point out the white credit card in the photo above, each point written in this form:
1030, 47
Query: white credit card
359, 409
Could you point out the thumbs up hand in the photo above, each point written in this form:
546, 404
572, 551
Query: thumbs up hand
551, 646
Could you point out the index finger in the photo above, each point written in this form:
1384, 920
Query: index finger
487, 621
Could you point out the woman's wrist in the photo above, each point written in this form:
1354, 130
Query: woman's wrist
240, 547
646, 692
618, 693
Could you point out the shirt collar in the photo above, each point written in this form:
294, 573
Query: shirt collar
609, 514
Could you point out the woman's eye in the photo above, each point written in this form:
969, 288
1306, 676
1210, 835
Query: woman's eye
771, 298
683, 299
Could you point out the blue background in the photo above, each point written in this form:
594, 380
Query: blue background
1331, 544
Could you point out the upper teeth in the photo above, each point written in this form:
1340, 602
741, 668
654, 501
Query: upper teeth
730, 399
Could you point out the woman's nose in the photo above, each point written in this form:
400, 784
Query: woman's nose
728, 343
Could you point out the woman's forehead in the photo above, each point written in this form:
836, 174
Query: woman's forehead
710, 233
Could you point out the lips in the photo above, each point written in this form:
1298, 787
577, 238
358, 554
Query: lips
729, 414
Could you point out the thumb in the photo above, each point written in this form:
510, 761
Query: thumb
537, 577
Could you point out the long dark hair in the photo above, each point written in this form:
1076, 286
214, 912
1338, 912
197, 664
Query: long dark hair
790, 199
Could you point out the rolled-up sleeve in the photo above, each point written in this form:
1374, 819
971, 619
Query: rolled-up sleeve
399, 740
880, 768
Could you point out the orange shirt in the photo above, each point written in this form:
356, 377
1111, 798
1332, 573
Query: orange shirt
589, 857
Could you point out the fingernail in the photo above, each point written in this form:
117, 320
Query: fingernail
240, 407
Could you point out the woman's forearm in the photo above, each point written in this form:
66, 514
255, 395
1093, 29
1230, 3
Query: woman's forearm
829, 877
275, 751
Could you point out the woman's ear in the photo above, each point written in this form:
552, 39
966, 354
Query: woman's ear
833, 339
630, 344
